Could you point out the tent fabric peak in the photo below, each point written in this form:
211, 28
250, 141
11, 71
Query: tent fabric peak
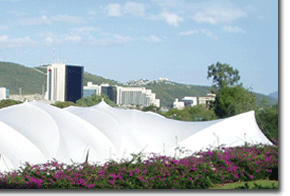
35, 132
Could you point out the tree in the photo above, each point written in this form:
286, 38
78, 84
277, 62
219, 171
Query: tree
231, 101
93, 100
267, 119
151, 108
200, 112
63, 104
223, 75
195, 113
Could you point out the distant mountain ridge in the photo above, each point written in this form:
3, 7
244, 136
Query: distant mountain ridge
274, 94
32, 80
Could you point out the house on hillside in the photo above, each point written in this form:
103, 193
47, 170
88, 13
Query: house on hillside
185, 102
206, 100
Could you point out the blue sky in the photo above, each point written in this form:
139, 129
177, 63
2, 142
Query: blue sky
127, 40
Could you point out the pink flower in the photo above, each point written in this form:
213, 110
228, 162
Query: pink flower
137, 171
131, 173
91, 186
250, 176
140, 178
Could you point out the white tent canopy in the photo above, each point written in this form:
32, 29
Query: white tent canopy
35, 132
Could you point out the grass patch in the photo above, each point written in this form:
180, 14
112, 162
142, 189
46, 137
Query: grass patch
257, 184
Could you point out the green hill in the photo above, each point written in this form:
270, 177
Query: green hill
30, 80
17, 76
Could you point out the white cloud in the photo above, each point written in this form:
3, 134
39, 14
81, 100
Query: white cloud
114, 10
72, 38
15, 42
216, 13
209, 33
45, 20
49, 40
115, 40
171, 18
122, 39
3, 38
136, 9
4, 27
206, 32
68, 19
17, 13
152, 38
233, 29
190, 32
36, 21
85, 30
92, 13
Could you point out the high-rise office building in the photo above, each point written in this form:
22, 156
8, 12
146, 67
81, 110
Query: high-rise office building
64, 82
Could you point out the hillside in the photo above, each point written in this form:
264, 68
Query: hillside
17, 76
274, 94
30, 80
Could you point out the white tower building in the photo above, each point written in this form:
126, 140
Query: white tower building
64, 82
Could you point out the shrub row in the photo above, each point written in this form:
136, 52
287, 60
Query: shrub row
199, 171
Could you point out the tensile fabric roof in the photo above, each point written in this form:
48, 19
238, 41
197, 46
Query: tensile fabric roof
36, 132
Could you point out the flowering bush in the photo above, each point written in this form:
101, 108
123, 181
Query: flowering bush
199, 171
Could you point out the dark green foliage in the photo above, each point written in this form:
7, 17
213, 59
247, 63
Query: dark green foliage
195, 113
8, 102
151, 108
223, 75
231, 101
267, 119
63, 104
93, 100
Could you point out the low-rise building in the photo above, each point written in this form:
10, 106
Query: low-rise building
91, 89
178, 104
185, 102
4, 93
206, 100
126, 96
